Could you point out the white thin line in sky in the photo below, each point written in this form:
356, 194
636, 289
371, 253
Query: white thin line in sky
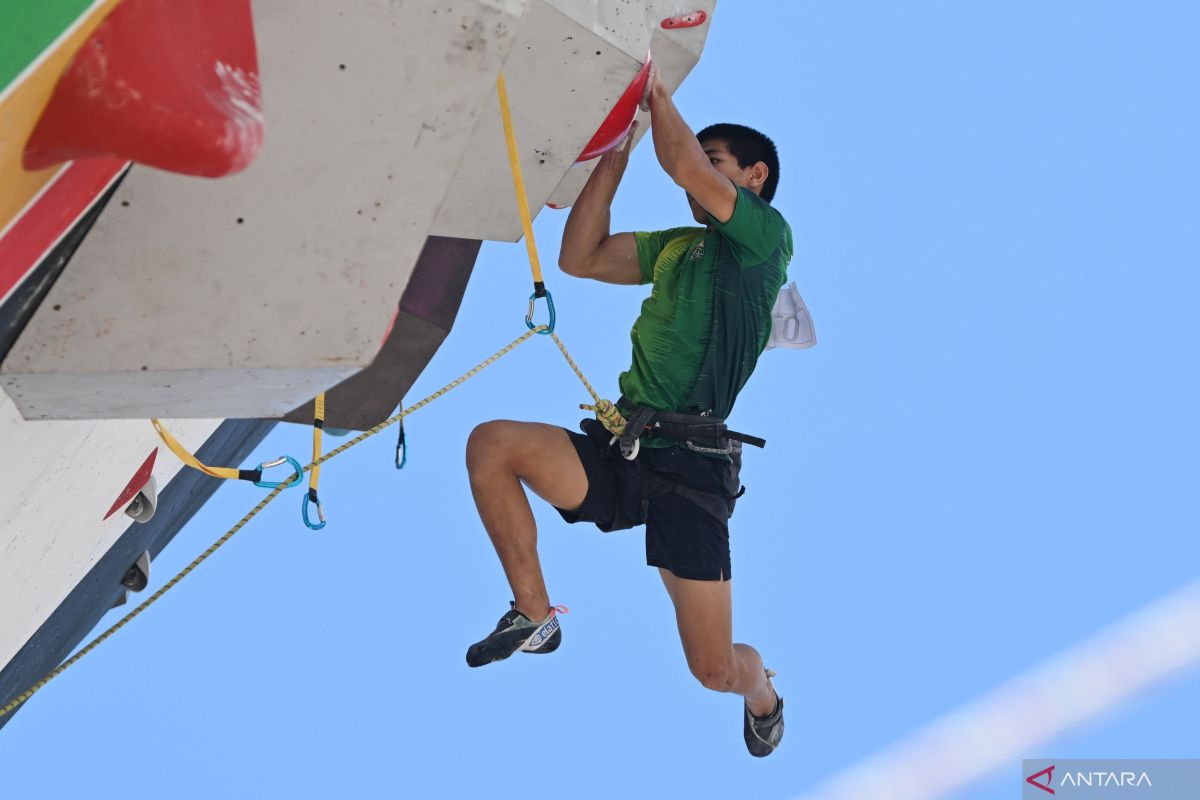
1003, 726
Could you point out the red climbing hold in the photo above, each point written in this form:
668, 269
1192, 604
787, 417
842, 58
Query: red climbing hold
169, 83
617, 123
685, 20
135, 485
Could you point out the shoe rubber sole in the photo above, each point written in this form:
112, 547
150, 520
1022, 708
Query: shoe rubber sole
543, 639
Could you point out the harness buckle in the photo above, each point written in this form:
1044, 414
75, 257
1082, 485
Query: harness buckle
635, 426
633, 451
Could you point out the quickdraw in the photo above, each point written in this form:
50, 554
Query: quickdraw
514, 163
315, 475
254, 476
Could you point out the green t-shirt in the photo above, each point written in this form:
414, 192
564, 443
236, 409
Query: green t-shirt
708, 317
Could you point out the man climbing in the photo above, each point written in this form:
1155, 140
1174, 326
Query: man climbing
695, 343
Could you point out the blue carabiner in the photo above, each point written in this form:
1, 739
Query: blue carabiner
312, 495
289, 483
401, 448
549, 328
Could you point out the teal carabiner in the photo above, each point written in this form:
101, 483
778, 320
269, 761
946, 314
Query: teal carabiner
401, 448
289, 483
540, 291
312, 496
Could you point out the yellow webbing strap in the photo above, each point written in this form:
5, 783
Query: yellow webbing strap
514, 162
314, 475
255, 475
228, 473
318, 426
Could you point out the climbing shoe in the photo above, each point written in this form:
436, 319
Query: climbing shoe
763, 734
514, 632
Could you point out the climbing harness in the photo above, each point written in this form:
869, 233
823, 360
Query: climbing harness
700, 433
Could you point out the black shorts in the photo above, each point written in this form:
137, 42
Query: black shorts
685, 500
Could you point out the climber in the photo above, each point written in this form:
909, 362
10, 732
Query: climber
695, 344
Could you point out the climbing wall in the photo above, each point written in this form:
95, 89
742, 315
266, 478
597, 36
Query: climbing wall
246, 296
568, 67
352, 160
62, 480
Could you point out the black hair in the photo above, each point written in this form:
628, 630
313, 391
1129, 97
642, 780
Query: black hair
749, 147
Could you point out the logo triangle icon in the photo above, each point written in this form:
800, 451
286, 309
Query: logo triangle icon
1048, 774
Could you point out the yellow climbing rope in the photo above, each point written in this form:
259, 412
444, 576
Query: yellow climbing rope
605, 410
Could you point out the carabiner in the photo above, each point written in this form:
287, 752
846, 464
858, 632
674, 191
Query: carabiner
311, 495
549, 327
401, 448
289, 483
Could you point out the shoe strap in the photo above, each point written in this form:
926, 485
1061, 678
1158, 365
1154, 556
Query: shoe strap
778, 702
554, 611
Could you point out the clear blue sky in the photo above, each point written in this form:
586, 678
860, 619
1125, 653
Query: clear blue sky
990, 456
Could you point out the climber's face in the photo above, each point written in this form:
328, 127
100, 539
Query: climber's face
726, 163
